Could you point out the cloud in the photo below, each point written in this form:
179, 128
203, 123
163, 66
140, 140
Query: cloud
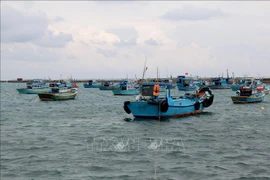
21, 27
103, 37
152, 42
127, 36
28, 53
57, 19
192, 14
52, 39
107, 53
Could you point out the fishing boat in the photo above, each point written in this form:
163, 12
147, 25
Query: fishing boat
219, 83
34, 87
267, 89
185, 83
236, 85
63, 86
106, 86
125, 88
165, 83
91, 84
57, 95
246, 94
165, 105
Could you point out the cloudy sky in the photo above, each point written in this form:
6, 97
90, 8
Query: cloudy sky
110, 39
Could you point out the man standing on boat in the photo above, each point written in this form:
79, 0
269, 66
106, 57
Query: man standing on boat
156, 91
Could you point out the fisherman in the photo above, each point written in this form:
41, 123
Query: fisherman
156, 91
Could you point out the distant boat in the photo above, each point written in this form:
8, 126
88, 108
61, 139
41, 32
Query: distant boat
34, 87
91, 84
237, 85
247, 95
165, 83
185, 83
267, 89
146, 106
219, 83
57, 95
125, 88
106, 86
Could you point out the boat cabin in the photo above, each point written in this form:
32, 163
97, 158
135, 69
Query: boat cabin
245, 91
90, 82
35, 83
185, 81
219, 81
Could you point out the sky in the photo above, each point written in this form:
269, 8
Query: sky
114, 39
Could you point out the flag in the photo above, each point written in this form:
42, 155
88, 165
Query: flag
186, 73
146, 68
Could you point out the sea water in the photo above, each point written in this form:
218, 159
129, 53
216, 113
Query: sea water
92, 137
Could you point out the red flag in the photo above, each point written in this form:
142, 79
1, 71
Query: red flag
186, 73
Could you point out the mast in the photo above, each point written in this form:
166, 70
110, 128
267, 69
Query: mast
144, 70
127, 81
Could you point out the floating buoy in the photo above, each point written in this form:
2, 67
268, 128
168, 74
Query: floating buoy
262, 108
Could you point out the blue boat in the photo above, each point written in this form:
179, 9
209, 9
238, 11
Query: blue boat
34, 87
266, 89
219, 83
247, 95
185, 84
147, 106
166, 83
125, 88
237, 85
106, 86
253, 83
91, 84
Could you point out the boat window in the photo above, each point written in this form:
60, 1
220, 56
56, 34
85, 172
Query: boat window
147, 90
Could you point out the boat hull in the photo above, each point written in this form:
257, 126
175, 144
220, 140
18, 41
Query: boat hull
129, 92
219, 87
91, 86
57, 96
104, 88
153, 110
33, 91
189, 88
236, 87
247, 99
267, 91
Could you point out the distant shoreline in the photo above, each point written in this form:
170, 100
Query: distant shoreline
264, 79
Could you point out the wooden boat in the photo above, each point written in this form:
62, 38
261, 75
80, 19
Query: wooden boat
125, 88
246, 95
34, 87
91, 84
147, 106
57, 95
185, 84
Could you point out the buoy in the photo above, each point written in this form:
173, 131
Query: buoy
262, 108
